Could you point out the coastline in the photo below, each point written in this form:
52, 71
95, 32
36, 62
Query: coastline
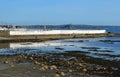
67, 64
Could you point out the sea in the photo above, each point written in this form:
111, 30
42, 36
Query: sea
104, 47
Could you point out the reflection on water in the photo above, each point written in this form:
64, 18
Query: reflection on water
106, 50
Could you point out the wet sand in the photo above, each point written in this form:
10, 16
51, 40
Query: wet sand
31, 70
23, 70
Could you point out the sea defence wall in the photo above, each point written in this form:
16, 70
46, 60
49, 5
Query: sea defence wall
38, 35
4, 33
52, 32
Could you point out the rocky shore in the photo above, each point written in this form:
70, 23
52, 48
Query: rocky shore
67, 64
64, 64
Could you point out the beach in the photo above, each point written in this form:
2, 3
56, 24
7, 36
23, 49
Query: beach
69, 64
80, 56
60, 38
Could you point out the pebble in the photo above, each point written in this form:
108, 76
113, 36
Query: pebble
53, 67
42, 69
45, 66
62, 73
37, 63
80, 64
56, 75
84, 70
6, 62
70, 70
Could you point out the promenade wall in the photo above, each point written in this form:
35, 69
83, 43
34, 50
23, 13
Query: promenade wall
52, 32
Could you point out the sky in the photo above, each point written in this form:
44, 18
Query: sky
56, 12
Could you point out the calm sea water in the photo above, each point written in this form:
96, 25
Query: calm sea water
96, 48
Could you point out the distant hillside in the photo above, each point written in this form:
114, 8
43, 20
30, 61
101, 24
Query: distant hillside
64, 27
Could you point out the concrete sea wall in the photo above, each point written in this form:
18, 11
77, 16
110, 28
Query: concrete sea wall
52, 32
35, 35
4, 33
